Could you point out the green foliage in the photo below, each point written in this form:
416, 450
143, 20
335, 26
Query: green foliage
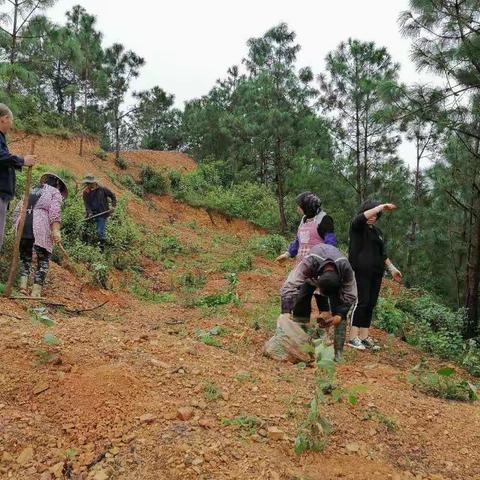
422, 321
170, 245
153, 181
244, 376
204, 188
216, 299
100, 274
249, 423
121, 163
237, 262
192, 281
269, 246
211, 392
374, 413
40, 317
101, 154
442, 384
208, 336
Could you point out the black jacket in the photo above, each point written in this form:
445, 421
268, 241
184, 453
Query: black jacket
367, 251
96, 201
8, 164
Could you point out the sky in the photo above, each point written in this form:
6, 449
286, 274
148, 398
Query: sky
189, 44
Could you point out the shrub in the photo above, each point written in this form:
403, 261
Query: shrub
128, 182
170, 245
121, 163
100, 274
237, 262
216, 299
442, 384
192, 281
422, 321
153, 181
101, 154
269, 246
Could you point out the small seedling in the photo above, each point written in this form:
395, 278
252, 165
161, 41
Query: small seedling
244, 377
211, 392
248, 423
375, 414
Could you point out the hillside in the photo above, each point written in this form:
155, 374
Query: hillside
108, 406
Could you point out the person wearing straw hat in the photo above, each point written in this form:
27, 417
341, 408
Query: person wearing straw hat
42, 229
96, 200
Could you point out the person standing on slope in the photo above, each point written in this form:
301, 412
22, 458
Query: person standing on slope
325, 270
315, 227
8, 164
41, 230
96, 200
368, 256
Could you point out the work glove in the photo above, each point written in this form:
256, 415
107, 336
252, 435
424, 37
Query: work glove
327, 319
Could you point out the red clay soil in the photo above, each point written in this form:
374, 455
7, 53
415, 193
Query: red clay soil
124, 396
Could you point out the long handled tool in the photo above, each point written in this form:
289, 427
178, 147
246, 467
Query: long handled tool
21, 225
97, 215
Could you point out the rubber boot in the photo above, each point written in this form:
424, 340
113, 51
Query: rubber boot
23, 284
339, 339
36, 290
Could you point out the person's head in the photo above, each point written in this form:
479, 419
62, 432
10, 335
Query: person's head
309, 204
6, 118
56, 182
328, 282
368, 205
90, 182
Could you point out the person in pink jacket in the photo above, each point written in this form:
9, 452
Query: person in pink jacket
41, 230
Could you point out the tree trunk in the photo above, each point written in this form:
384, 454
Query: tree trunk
280, 187
359, 161
473, 278
13, 45
414, 223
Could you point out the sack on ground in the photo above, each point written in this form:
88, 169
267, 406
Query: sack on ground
290, 342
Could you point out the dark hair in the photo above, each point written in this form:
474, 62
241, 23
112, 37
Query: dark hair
309, 203
56, 182
368, 205
329, 283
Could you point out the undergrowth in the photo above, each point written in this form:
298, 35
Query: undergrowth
420, 320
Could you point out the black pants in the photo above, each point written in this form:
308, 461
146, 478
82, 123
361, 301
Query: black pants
303, 303
368, 286
303, 308
43, 260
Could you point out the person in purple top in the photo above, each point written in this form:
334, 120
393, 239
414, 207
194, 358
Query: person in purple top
41, 230
315, 227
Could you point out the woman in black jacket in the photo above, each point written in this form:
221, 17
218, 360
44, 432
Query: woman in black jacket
368, 256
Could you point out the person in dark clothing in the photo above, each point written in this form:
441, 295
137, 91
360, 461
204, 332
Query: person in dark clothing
315, 227
325, 270
368, 257
8, 164
98, 200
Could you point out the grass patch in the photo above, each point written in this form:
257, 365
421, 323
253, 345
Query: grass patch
441, 384
248, 423
211, 392
238, 262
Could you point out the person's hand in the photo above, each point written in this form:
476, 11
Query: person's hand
396, 275
56, 234
389, 206
281, 258
29, 160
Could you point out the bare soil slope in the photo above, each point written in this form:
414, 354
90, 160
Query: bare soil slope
126, 397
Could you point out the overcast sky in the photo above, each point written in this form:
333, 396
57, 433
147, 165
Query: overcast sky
188, 44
